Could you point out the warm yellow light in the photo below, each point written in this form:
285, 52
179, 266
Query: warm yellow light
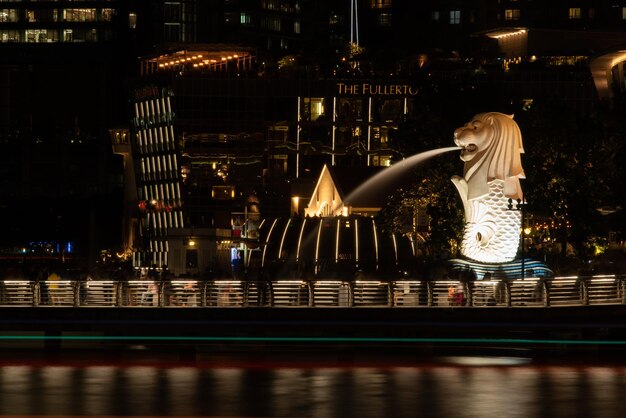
192, 243
527, 231
235, 56
504, 35
223, 59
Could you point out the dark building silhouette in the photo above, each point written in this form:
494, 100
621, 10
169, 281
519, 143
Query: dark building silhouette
63, 71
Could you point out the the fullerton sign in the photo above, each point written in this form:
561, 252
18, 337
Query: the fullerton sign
373, 89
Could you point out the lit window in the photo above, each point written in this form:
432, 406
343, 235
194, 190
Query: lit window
9, 36
384, 19
8, 15
623, 12
79, 15
314, 106
244, 18
296, 26
68, 35
271, 4
38, 35
574, 12
271, 23
434, 15
380, 4
511, 14
107, 14
132, 20
455, 17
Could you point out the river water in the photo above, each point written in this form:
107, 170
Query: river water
452, 388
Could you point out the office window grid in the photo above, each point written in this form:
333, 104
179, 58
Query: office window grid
37, 24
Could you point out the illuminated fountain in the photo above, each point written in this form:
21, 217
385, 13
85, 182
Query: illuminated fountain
334, 242
327, 244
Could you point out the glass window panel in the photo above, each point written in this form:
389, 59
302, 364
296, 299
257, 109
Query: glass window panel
107, 14
41, 35
9, 36
380, 4
512, 14
8, 15
41, 15
79, 15
245, 19
455, 17
384, 19
132, 20
574, 13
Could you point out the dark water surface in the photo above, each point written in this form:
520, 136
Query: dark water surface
452, 387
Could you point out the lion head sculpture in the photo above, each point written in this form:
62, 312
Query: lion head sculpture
492, 145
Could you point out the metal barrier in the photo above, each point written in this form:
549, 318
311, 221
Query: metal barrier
529, 292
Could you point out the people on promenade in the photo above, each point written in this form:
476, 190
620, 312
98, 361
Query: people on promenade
54, 287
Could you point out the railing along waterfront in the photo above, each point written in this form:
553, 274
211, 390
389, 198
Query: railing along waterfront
528, 292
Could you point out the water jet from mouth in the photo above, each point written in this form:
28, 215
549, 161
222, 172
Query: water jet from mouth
385, 177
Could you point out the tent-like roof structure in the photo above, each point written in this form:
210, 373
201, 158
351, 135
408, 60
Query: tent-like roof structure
334, 193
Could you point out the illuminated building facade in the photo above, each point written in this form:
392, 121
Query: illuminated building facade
58, 21
159, 195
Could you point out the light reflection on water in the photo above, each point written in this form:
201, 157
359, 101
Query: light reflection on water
426, 391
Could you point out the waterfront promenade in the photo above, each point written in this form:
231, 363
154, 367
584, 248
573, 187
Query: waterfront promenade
178, 293
563, 315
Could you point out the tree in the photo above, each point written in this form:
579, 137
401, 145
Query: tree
571, 163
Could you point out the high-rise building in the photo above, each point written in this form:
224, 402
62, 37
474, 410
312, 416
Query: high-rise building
63, 70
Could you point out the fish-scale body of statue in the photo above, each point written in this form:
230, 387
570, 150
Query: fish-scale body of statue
492, 145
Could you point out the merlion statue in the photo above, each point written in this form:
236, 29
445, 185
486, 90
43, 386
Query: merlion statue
492, 145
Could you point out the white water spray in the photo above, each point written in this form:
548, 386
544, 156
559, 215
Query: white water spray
398, 168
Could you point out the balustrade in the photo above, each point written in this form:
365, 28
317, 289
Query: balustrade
178, 293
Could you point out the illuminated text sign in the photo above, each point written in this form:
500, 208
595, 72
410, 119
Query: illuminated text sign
372, 89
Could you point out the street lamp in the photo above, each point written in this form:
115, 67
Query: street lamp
520, 207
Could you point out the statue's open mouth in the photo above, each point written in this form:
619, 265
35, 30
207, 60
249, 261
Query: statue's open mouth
470, 148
